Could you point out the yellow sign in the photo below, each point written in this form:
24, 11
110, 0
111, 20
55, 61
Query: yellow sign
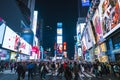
103, 47
103, 59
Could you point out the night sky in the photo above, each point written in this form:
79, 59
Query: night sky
53, 11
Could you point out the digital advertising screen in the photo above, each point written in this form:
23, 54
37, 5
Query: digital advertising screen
88, 38
97, 25
2, 30
84, 45
11, 39
24, 47
59, 40
59, 48
110, 11
85, 3
59, 31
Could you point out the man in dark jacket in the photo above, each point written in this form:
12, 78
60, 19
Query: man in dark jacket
19, 70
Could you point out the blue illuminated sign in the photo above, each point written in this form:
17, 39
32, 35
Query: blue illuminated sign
85, 2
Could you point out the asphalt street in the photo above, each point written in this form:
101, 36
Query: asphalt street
8, 75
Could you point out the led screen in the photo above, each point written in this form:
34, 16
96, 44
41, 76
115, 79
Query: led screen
97, 25
24, 47
88, 39
110, 12
85, 2
10, 40
59, 39
59, 31
13, 42
2, 29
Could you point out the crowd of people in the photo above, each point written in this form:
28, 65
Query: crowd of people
69, 69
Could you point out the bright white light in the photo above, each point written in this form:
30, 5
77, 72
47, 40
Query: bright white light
35, 22
59, 31
59, 39
2, 29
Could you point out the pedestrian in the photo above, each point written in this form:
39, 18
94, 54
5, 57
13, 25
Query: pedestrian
76, 70
19, 70
67, 72
24, 70
11, 66
60, 70
30, 68
43, 71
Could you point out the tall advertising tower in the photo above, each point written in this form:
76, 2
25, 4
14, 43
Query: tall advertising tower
59, 51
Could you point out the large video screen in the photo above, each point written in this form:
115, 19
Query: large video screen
13, 42
110, 12
85, 2
59, 31
89, 37
10, 40
2, 29
59, 39
24, 47
97, 25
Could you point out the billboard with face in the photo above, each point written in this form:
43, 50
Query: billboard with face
97, 25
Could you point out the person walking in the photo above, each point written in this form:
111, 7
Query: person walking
19, 70
76, 70
68, 73
30, 68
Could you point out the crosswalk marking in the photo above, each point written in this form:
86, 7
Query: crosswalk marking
81, 75
87, 75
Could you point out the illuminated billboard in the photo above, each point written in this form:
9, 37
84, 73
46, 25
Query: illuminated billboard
13, 42
59, 24
59, 39
98, 26
24, 47
59, 31
110, 12
35, 21
59, 48
11, 39
85, 2
88, 37
2, 30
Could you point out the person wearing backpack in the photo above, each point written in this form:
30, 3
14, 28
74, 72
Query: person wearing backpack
30, 68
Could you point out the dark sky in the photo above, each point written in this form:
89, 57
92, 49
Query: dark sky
53, 11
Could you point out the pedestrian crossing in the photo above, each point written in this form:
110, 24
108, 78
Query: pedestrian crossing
83, 74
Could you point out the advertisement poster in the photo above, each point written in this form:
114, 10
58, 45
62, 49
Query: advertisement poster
97, 25
110, 11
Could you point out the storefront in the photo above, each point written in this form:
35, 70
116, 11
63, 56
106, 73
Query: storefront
4, 55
